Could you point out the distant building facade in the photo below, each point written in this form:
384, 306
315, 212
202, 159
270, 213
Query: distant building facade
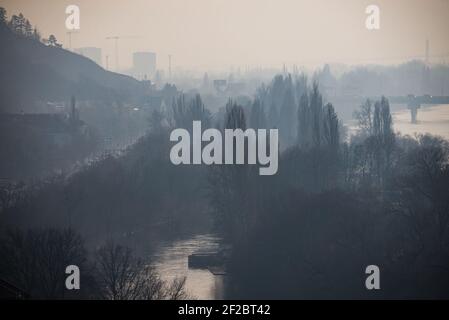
144, 65
92, 53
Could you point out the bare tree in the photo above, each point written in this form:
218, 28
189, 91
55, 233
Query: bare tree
36, 260
121, 276
176, 290
364, 117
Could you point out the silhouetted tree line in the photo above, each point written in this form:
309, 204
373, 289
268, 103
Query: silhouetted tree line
21, 26
335, 206
133, 199
37, 145
117, 196
413, 77
35, 261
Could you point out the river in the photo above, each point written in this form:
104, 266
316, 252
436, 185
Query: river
171, 261
431, 119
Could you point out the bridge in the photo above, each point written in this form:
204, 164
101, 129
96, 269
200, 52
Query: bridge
415, 102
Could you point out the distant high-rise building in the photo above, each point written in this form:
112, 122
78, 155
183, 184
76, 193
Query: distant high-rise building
144, 64
92, 53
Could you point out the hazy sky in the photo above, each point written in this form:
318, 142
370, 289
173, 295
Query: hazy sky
221, 33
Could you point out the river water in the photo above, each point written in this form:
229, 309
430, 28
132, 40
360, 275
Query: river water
431, 119
171, 261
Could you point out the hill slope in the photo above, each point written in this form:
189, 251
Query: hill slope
31, 71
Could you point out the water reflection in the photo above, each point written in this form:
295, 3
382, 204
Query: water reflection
171, 261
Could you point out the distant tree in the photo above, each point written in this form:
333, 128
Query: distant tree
18, 24
2, 15
257, 117
331, 127
14, 24
169, 92
74, 114
28, 29
314, 119
176, 290
423, 201
383, 139
52, 41
364, 117
287, 116
156, 119
184, 114
36, 260
300, 86
36, 35
235, 116
304, 129
229, 184
20, 27
273, 116
199, 112
124, 277
277, 90
263, 95
316, 107
375, 143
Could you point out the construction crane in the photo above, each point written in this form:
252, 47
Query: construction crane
169, 66
69, 33
116, 39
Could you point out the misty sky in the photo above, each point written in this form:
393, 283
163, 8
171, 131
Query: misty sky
217, 34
